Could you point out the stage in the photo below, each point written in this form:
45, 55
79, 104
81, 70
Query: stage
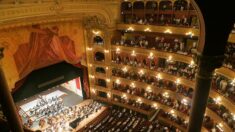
68, 106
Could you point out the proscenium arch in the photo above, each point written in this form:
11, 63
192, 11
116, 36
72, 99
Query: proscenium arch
10, 21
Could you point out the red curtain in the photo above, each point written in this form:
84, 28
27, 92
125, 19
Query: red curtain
45, 47
85, 79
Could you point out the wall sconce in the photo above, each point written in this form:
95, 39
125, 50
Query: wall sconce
177, 81
92, 76
139, 100
169, 59
147, 30
217, 100
233, 82
155, 106
130, 29
150, 55
149, 89
124, 96
133, 53
132, 85
124, 69
189, 34
184, 101
106, 68
108, 80
93, 91
90, 65
89, 49
168, 31
109, 95
165, 95
96, 32
118, 81
117, 50
141, 72
106, 51
159, 77
192, 64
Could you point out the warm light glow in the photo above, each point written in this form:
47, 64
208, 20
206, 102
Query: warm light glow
117, 50
93, 91
220, 124
109, 95
233, 82
168, 31
90, 65
124, 69
149, 89
130, 29
132, 85
118, 81
124, 96
133, 53
172, 111
108, 80
189, 33
184, 101
150, 55
155, 105
233, 116
217, 100
92, 76
192, 62
106, 51
177, 81
159, 76
165, 94
96, 32
106, 68
139, 100
89, 49
169, 59
141, 72
147, 30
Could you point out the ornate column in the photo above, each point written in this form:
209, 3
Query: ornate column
7, 102
207, 65
212, 41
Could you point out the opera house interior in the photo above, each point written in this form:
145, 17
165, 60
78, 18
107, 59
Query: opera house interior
117, 66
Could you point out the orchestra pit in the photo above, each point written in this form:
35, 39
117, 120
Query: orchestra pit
117, 66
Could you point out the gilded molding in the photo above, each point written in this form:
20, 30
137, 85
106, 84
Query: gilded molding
25, 14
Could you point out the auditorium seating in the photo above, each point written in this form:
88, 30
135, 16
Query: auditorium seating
124, 120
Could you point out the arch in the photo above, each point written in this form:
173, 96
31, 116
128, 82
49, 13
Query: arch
138, 5
153, 5
99, 56
126, 6
98, 40
100, 70
181, 5
165, 5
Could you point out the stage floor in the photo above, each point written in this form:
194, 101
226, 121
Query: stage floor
69, 98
